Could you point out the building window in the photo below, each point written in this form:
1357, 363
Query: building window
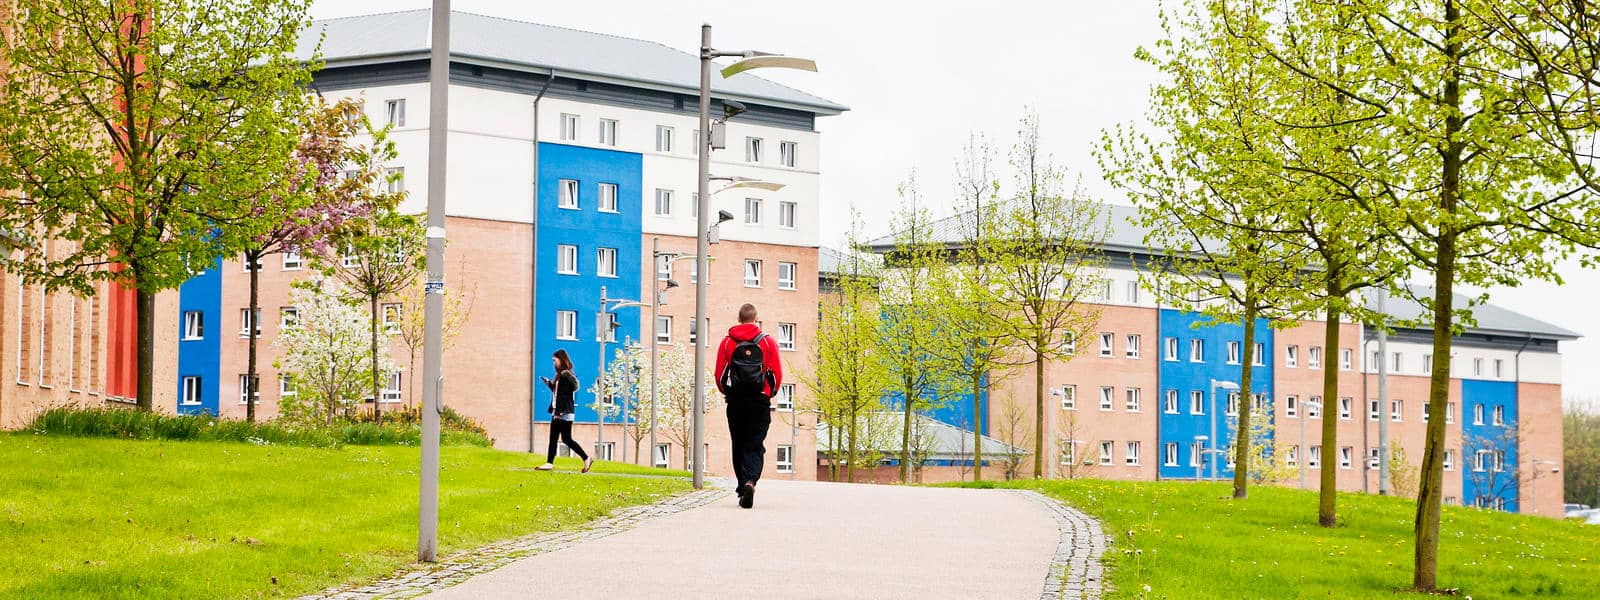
1396, 410
194, 325
786, 275
663, 268
191, 390
1397, 362
752, 273
1427, 364
1372, 458
1171, 458
1105, 453
606, 262
250, 266
608, 132
249, 391
1291, 457
1314, 457
610, 328
1449, 460
1499, 415
1105, 290
1132, 455
1376, 362
1425, 406
786, 215
752, 211
395, 114
1196, 450
1170, 406
663, 330
286, 386
1171, 351
1498, 364
1450, 412
1133, 400
1105, 344
1232, 407
663, 203
1197, 403
292, 261
752, 149
1133, 292
566, 325
569, 127
288, 317
1314, 407
249, 321
1372, 409
785, 399
1480, 460
693, 332
1197, 351
1345, 408
1477, 414
1069, 397
1233, 353
786, 151
1344, 359
391, 318
663, 454
348, 259
391, 389
395, 179
663, 138
1105, 397
1291, 406
1314, 357
604, 450
786, 336
1132, 349
1069, 343
608, 197
567, 259
1291, 356
1260, 358
785, 458
568, 194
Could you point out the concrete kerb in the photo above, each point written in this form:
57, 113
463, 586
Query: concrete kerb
1076, 571
418, 580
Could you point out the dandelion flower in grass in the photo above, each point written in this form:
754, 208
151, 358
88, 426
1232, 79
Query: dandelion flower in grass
1147, 590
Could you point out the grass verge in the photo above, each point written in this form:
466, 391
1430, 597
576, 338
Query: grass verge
106, 518
1186, 540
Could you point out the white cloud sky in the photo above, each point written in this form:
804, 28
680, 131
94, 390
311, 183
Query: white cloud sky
920, 77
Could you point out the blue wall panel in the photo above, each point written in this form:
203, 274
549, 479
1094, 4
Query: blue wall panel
1187, 376
589, 229
200, 357
1487, 487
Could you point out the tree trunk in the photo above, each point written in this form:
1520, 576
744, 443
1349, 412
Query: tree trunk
377, 398
1327, 509
1038, 410
252, 261
145, 311
850, 465
1241, 453
905, 439
1431, 480
977, 425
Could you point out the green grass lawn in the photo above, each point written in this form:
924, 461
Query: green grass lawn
1185, 540
108, 518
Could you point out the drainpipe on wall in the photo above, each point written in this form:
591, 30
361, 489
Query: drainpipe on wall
1516, 396
533, 274
1366, 429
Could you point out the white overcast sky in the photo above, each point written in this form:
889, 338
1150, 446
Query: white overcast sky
919, 77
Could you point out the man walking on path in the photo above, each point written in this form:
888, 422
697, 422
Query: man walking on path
748, 373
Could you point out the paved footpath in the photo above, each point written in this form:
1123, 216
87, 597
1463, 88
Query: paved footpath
823, 540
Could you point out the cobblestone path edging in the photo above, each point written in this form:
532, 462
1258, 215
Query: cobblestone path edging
416, 580
1076, 572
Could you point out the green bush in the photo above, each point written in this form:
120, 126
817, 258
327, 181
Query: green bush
135, 424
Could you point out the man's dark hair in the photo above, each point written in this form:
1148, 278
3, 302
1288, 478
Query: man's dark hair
747, 313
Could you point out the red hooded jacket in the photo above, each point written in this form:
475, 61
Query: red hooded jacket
769, 355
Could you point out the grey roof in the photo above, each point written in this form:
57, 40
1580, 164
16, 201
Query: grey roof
949, 442
513, 44
1490, 318
831, 262
1124, 234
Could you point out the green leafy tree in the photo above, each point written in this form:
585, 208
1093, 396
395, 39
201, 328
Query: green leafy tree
1043, 261
378, 260
850, 373
138, 130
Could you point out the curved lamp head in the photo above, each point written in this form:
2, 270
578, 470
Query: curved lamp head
767, 62
1225, 385
751, 184
672, 283
732, 108
724, 216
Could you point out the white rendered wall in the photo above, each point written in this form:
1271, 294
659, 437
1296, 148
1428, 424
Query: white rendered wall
1537, 367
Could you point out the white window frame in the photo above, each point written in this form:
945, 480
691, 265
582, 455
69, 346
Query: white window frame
1233, 352
786, 153
1232, 405
784, 401
192, 393
1373, 458
1131, 455
1069, 397
663, 202
392, 388
1197, 402
1197, 350
253, 392
1131, 399
1450, 412
664, 329
608, 132
1477, 413
1131, 348
1397, 410
605, 262
1106, 340
567, 325
1344, 359
1170, 404
664, 135
786, 335
1105, 453
784, 458
292, 261
1171, 352
1291, 406
1499, 368
1314, 407
1314, 458
1346, 408
1314, 357
288, 316
395, 112
608, 198
663, 268
1449, 460
247, 319
603, 450
286, 387
567, 194
1499, 415
1107, 398
752, 211
1260, 358
566, 259
1427, 364
752, 149
392, 313
786, 281
1196, 450
1291, 356
569, 127
1372, 409
1170, 455
752, 273
1399, 362
1291, 456
786, 214
394, 180
1133, 292
194, 325
662, 458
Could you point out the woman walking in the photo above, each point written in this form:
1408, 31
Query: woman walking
561, 411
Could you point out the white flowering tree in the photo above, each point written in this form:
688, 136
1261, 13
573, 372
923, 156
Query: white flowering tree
326, 354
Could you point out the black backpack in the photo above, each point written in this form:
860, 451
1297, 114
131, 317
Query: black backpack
746, 373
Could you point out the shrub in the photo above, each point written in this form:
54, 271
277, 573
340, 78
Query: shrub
456, 430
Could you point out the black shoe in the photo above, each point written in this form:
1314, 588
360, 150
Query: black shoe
747, 495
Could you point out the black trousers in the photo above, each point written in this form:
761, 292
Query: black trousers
563, 430
748, 420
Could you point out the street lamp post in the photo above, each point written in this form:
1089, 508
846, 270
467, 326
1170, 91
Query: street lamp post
1300, 450
1215, 384
750, 60
1199, 461
433, 290
655, 315
603, 328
